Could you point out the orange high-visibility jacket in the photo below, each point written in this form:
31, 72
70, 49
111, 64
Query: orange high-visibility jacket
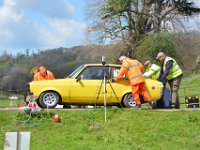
133, 69
38, 76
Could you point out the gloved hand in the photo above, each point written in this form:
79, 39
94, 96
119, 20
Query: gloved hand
114, 80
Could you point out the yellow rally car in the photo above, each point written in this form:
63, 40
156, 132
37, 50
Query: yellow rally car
90, 84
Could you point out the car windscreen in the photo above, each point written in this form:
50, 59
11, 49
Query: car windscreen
75, 71
95, 73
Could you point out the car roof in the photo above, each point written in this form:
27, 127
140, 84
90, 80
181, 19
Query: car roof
112, 65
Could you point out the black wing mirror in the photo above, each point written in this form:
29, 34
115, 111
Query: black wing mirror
78, 79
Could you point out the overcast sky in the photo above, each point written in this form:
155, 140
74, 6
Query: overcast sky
41, 24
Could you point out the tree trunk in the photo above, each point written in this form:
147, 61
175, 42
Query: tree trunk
158, 18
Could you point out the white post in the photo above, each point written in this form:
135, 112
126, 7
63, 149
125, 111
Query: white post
105, 94
17, 141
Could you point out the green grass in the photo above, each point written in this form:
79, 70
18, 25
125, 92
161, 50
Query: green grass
190, 86
6, 102
125, 129
193, 80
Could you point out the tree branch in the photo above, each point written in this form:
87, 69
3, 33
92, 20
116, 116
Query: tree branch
167, 10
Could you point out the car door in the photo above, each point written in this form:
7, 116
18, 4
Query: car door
120, 87
89, 86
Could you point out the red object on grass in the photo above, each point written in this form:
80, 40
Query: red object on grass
56, 118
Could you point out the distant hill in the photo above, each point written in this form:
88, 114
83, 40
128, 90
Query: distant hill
17, 71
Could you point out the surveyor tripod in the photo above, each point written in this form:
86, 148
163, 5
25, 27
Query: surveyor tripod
103, 84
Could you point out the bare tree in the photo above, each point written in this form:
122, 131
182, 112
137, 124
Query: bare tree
129, 21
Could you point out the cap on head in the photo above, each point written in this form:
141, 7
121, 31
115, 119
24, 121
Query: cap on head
121, 58
147, 62
160, 54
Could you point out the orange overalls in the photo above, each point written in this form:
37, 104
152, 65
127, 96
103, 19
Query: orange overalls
133, 69
47, 76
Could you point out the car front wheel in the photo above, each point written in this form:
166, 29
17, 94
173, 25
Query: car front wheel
129, 101
49, 99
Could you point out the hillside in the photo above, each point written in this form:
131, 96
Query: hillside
17, 71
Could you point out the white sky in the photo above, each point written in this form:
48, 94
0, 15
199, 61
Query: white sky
39, 24
46, 24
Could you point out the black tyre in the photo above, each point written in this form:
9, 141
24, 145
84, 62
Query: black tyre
38, 103
50, 99
128, 101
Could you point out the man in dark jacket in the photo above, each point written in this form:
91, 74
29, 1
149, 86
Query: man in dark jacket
171, 72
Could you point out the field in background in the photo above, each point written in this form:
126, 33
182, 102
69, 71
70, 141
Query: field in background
190, 86
6, 99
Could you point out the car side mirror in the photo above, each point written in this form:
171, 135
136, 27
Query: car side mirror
79, 78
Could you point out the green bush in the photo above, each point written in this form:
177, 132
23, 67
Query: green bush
154, 43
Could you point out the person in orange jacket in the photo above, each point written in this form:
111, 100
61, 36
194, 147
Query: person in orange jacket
43, 74
133, 69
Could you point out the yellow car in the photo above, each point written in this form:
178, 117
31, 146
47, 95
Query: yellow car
90, 84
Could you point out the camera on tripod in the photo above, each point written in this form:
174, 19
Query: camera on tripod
103, 60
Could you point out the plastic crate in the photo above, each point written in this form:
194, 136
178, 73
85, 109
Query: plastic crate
192, 101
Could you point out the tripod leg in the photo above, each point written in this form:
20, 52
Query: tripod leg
98, 92
115, 93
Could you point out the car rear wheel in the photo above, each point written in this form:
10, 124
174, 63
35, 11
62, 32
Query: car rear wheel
49, 99
129, 101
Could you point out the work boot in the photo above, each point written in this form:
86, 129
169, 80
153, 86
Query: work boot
175, 106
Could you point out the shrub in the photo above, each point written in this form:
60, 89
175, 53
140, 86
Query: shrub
154, 43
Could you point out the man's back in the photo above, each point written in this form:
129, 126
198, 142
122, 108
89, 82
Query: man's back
134, 70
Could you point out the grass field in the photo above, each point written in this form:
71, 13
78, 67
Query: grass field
190, 86
8, 103
125, 129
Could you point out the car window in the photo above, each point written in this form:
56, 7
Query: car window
75, 71
115, 71
94, 73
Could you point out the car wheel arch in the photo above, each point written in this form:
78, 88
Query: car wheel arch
60, 98
128, 101
50, 91
123, 98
